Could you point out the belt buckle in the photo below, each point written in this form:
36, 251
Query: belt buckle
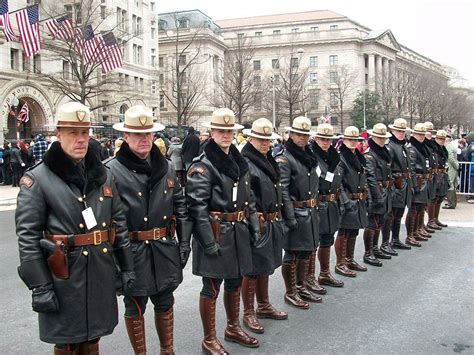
240, 216
97, 237
156, 233
312, 202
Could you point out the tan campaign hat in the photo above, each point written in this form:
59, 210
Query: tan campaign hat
400, 124
301, 125
223, 118
138, 119
379, 130
325, 130
74, 115
420, 128
261, 128
429, 127
352, 132
441, 134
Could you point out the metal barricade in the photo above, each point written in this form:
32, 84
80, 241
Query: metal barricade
466, 178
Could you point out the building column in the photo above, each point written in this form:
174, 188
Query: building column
378, 72
371, 68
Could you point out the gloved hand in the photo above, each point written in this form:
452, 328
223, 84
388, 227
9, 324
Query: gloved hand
128, 278
184, 251
212, 249
44, 299
292, 224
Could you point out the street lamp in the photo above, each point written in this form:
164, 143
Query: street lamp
15, 102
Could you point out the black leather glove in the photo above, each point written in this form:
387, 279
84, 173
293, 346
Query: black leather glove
212, 249
184, 251
128, 278
44, 299
292, 224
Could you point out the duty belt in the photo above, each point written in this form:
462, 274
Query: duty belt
439, 171
238, 216
402, 175
311, 203
385, 183
329, 198
79, 240
361, 196
155, 233
271, 217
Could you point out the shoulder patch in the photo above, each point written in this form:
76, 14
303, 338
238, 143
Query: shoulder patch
197, 170
26, 181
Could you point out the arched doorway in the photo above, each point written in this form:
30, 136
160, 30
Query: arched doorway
35, 124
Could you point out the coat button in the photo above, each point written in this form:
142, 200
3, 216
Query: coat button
246, 183
275, 185
147, 242
246, 203
276, 219
85, 253
235, 205
309, 192
276, 204
80, 199
139, 193
233, 223
101, 199
104, 224
164, 238
235, 184
81, 225
104, 250
165, 192
309, 174
164, 217
145, 219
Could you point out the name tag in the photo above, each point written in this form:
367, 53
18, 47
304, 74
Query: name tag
329, 176
234, 193
318, 171
89, 218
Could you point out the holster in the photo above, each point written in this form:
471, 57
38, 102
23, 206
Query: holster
112, 232
57, 261
172, 227
216, 229
398, 181
261, 222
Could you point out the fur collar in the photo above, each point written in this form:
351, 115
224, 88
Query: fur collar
159, 164
442, 151
397, 141
382, 152
233, 164
358, 164
331, 157
305, 157
420, 147
267, 164
88, 179
431, 144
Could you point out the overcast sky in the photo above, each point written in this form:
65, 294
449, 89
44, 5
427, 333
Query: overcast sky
441, 30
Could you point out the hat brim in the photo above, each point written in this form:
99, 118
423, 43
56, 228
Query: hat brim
323, 136
156, 128
358, 138
309, 133
248, 132
235, 127
391, 126
371, 132
439, 137
418, 132
54, 126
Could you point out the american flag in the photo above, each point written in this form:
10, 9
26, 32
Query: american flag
24, 115
91, 45
61, 27
5, 24
28, 25
111, 54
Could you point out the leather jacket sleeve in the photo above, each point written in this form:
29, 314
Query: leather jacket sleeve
184, 225
253, 219
372, 178
121, 237
285, 173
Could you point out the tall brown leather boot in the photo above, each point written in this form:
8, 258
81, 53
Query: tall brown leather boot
265, 308
301, 287
164, 326
311, 281
351, 263
233, 331
369, 257
248, 295
431, 216
136, 333
340, 247
436, 214
325, 277
288, 271
420, 234
410, 224
210, 343
386, 247
58, 351
88, 348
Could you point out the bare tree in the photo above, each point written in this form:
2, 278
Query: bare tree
388, 95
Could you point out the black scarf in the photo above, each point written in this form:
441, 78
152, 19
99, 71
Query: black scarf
431, 144
358, 163
86, 177
397, 141
380, 151
442, 151
331, 157
304, 156
233, 164
419, 147
268, 165
158, 168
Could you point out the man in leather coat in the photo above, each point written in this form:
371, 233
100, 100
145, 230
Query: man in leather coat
155, 207
266, 200
441, 175
299, 180
71, 231
218, 192
380, 182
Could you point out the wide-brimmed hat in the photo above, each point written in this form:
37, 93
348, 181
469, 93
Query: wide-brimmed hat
429, 127
261, 128
325, 130
441, 134
73, 115
138, 119
400, 124
420, 128
352, 132
223, 118
379, 130
301, 125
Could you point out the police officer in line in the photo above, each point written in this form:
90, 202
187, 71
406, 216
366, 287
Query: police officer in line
441, 175
155, 207
225, 225
354, 195
266, 198
329, 206
71, 230
299, 180
419, 157
380, 182
403, 178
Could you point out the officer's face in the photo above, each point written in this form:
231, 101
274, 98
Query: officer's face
262, 145
140, 143
379, 141
324, 143
440, 141
223, 137
351, 143
419, 137
400, 135
301, 140
74, 141
428, 135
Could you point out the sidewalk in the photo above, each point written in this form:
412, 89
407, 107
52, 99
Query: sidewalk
8, 197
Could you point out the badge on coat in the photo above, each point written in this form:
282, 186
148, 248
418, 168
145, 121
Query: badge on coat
318, 171
26, 181
107, 191
171, 183
329, 176
89, 218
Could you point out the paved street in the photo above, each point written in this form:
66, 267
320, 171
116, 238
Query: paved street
419, 302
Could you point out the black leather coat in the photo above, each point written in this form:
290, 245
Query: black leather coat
211, 180
401, 165
150, 197
300, 182
51, 200
442, 179
419, 158
430, 144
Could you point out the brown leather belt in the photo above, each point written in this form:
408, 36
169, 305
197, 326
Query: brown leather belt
360, 196
311, 203
271, 217
79, 240
238, 216
402, 175
328, 198
385, 183
439, 171
152, 234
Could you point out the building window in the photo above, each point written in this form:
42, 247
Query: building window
153, 60
103, 12
153, 86
313, 78
26, 64
162, 25
14, 59
257, 65
153, 33
37, 63
257, 80
333, 60
315, 29
139, 28
78, 14
68, 9
154, 111
105, 105
295, 30
333, 101
276, 79
294, 62
152, 6
105, 118
162, 78
66, 70
333, 28
161, 62
313, 62
162, 101
314, 99
258, 34
240, 35
136, 83
276, 32
183, 23
333, 77
275, 64
142, 84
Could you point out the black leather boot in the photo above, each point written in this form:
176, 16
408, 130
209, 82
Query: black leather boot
369, 257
